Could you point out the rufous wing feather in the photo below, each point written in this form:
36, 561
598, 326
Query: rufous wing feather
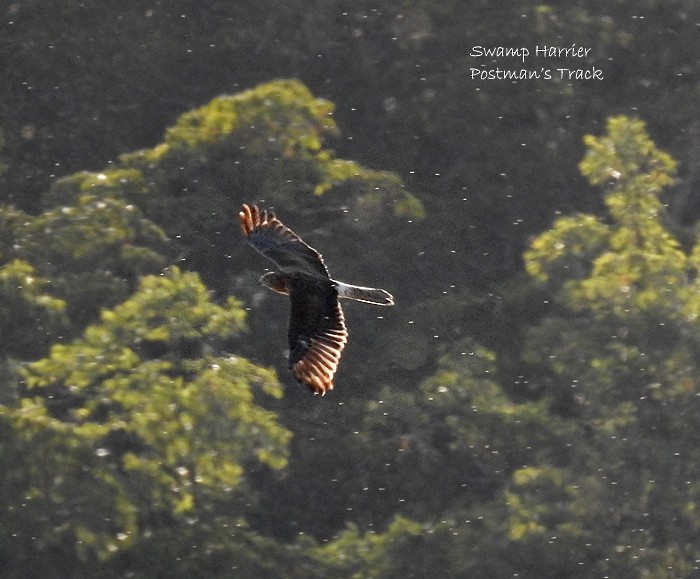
319, 363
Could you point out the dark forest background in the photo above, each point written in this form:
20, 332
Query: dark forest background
527, 409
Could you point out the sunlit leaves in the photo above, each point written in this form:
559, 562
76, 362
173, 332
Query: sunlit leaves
279, 117
269, 141
92, 252
142, 381
168, 419
631, 274
643, 264
623, 353
58, 498
30, 316
633, 263
93, 233
564, 253
626, 155
372, 555
538, 503
115, 183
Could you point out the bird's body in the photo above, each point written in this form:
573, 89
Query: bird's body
317, 333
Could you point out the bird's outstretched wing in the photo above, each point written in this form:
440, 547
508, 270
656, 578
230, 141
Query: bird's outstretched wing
317, 333
277, 242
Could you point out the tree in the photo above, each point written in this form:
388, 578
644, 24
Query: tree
621, 347
91, 254
30, 317
595, 474
139, 426
135, 365
270, 143
373, 555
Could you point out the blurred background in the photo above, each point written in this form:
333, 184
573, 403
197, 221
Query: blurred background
527, 409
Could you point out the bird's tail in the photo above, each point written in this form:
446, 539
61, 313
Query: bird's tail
364, 294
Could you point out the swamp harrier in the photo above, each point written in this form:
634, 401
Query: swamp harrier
317, 333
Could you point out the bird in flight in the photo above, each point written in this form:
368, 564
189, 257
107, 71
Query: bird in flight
317, 333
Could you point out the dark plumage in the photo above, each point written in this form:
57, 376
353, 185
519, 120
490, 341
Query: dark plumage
317, 333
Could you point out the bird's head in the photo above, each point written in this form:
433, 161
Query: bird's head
275, 281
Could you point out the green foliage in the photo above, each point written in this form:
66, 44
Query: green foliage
145, 403
634, 264
62, 509
539, 504
277, 118
92, 252
30, 318
626, 155
460, 424
564, 253
623, 361
373, 556
222, 550
267, 141
565, 448
136, 386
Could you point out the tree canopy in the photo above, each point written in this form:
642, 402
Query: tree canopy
527, 408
